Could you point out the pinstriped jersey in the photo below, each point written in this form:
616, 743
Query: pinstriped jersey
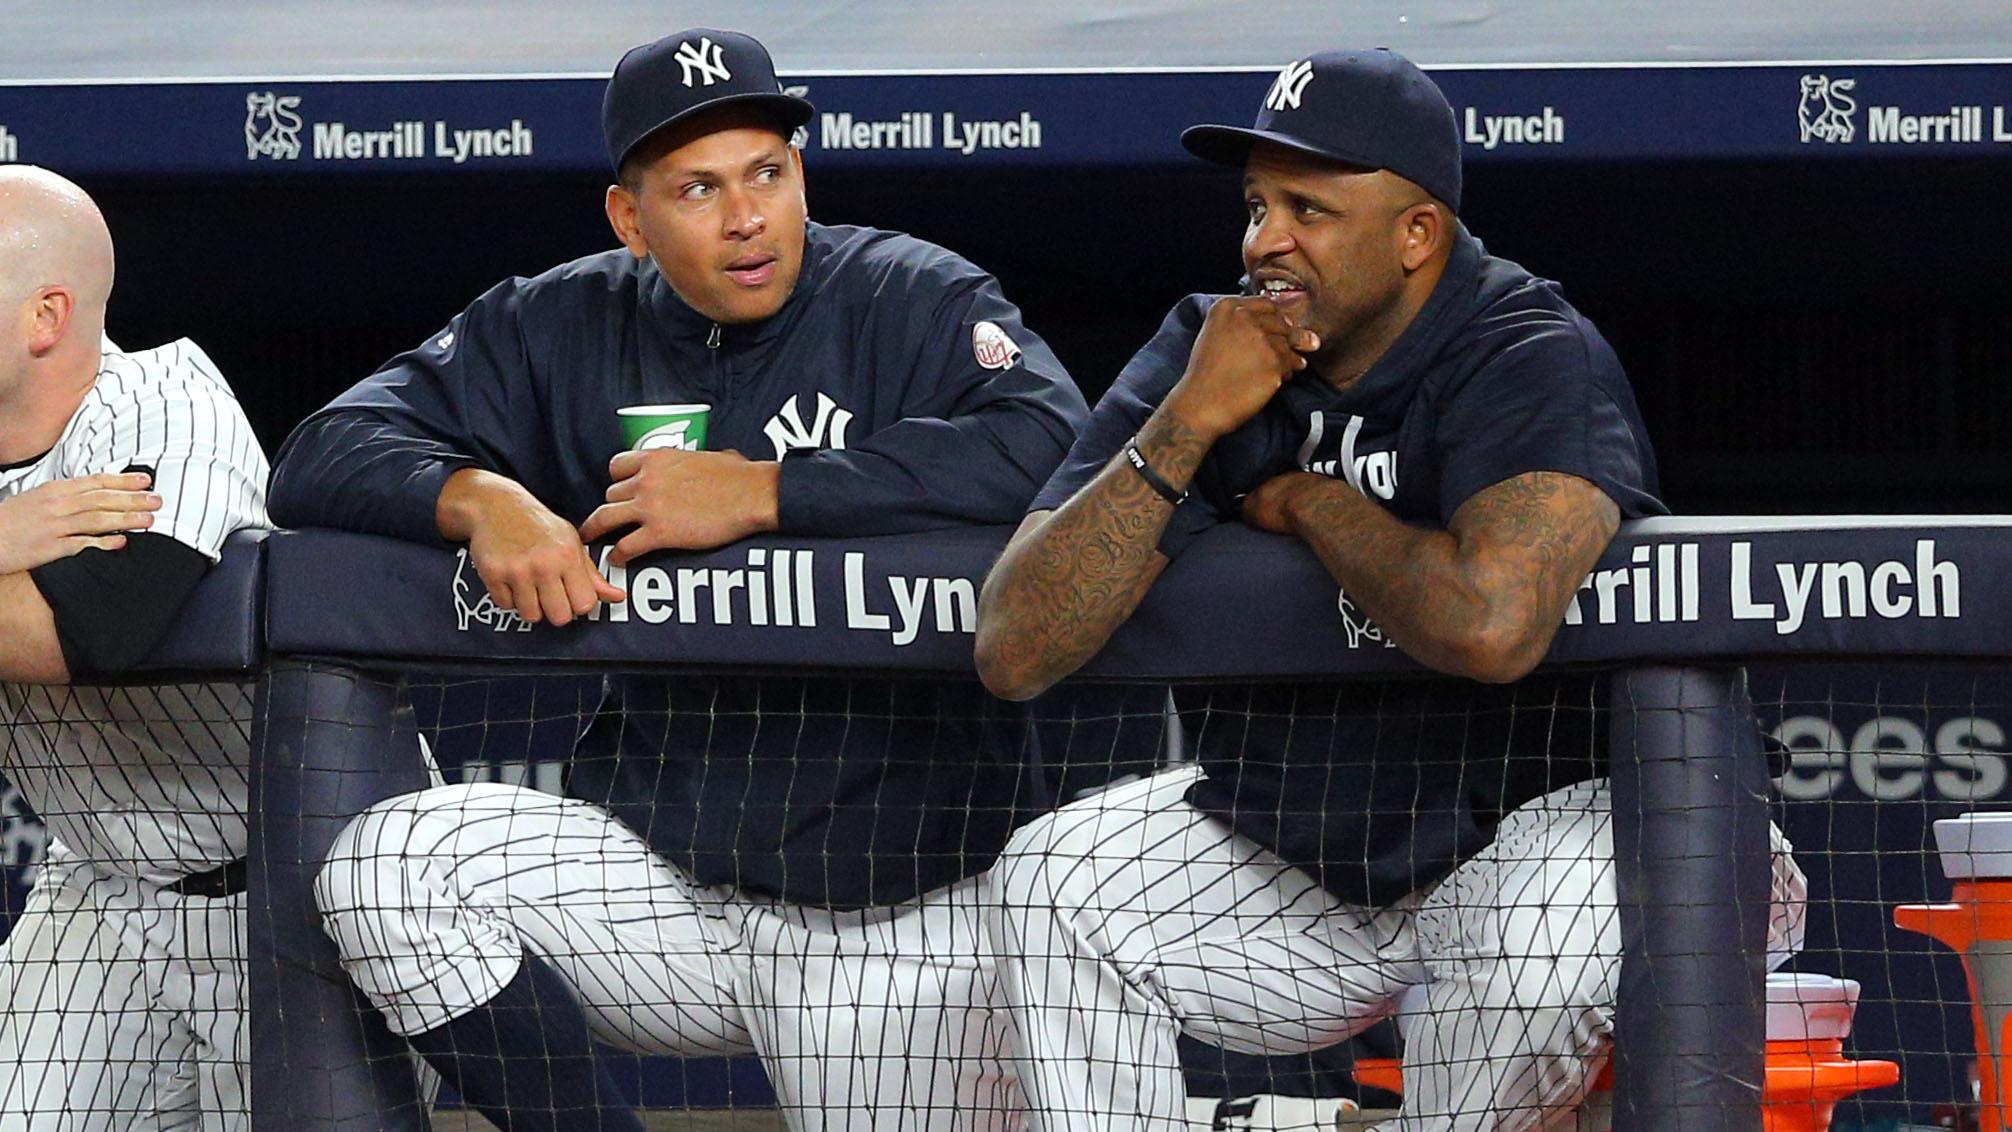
147, 782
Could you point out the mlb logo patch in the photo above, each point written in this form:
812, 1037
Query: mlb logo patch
993, 347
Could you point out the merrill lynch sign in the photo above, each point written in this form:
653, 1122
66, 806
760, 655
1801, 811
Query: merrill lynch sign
1238, 593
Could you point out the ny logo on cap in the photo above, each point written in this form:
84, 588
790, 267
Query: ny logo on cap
705, 60
1286, 89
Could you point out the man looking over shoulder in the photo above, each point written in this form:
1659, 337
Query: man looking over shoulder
1458, 445
122, 982
720, 881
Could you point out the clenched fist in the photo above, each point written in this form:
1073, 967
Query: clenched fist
1246, 351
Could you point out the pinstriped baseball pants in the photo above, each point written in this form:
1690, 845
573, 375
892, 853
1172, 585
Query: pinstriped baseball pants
875, 1019
1131, 917
122, 1008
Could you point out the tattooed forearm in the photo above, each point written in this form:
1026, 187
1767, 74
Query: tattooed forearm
1482, 598
1070, 578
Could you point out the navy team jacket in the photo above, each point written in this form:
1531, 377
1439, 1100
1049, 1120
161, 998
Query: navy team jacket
902, 393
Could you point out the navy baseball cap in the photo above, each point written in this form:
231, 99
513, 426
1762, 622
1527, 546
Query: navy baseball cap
682, 74
1372, 108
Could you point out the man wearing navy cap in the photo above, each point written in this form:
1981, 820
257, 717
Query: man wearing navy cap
771, 864
1457, 444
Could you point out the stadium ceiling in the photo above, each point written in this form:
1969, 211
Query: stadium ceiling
195, 39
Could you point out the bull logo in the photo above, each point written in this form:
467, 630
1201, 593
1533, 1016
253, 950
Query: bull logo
1358, 625
272, 129
1825, 111
472, 603
801, 137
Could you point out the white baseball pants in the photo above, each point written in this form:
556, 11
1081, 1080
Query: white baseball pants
122, 1007
877, 1019
1132, 917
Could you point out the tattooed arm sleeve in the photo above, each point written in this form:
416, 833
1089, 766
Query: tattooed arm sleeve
1071, 576
1482, 598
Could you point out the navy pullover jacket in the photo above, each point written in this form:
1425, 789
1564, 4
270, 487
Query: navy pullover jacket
901, 392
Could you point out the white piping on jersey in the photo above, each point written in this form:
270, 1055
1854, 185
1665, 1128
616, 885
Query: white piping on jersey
1348, 467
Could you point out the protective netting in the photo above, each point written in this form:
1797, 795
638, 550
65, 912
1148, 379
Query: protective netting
1876, 752
1880, 751
862, 901
122, 979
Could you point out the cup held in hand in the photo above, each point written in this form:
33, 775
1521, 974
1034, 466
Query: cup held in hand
647, 427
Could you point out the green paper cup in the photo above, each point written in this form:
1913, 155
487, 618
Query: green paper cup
665, 426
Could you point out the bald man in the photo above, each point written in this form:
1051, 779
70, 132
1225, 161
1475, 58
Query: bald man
121, 474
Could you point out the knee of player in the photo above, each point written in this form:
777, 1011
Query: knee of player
1043, 861
354, 874
1555, 970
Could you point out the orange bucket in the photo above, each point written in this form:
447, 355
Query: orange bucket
1809, 1016
1977, 924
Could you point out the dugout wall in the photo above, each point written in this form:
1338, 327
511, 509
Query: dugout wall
1806, 315
1786, 272
1673, 605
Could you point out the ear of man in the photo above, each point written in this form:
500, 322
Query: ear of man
1424, 228
622, 209
50, 315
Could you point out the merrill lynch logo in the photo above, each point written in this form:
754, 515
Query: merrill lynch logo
1360, 628
801, 137
1824, 114
767, 589
1663, 584
472, 603
272, 128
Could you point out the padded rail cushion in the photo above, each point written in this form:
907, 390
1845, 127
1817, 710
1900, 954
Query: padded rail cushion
219, 627
1239, 603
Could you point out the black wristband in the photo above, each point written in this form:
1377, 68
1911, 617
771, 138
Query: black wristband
1160, 487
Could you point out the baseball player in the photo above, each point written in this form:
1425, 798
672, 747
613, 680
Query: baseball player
718, 881
121, 474
1457, 445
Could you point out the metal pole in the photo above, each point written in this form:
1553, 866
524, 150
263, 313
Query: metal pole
327, 742
1690, 794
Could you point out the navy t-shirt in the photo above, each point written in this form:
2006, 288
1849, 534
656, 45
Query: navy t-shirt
1381, 787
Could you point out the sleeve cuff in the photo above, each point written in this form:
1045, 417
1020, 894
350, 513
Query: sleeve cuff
414, 511
797, 493
1190, 519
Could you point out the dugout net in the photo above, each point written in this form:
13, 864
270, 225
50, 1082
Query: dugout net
759, 664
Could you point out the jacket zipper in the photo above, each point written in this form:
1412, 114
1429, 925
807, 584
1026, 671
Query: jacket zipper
720, 391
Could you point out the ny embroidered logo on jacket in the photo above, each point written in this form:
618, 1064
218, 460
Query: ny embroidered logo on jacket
786, 430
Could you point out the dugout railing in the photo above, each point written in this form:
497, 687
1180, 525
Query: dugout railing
355, 626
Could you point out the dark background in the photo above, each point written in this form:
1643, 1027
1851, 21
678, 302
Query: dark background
1804, 337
